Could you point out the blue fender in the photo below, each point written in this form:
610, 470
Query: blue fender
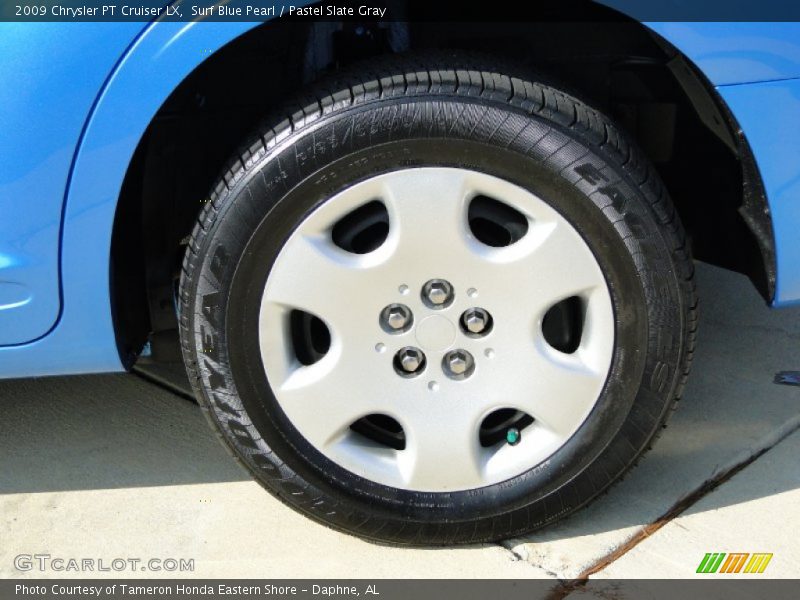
43, 111
83, 340
737, 53
769, 114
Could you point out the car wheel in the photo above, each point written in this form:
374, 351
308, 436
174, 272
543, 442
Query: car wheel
438, 302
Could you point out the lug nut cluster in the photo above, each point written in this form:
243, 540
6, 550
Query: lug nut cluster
437, 294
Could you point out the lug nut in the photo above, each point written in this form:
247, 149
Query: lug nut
437, 293
409, 361
476, 322
396, 318
458, 364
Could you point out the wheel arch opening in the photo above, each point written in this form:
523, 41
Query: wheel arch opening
617, 65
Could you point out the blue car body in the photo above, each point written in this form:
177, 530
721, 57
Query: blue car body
78, 97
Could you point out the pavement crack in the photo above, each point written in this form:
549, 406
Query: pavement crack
514, 553
518, 556
164, 385
680, 506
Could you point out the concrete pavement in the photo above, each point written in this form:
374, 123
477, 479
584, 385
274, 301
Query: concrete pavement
730, 411
113, 466
757, 510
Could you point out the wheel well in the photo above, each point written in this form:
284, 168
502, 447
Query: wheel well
616, 65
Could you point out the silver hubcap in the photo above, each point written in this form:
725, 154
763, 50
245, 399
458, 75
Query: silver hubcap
437, 331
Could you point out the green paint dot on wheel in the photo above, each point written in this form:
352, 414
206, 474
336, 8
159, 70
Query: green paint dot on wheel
513, 436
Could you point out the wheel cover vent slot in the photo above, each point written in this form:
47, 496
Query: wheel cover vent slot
495, 426
494, 223
363, 230
381, 429
311, 338
562, 325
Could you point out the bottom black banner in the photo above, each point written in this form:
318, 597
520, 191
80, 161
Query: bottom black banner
397, 589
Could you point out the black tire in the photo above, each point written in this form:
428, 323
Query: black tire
453, 111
